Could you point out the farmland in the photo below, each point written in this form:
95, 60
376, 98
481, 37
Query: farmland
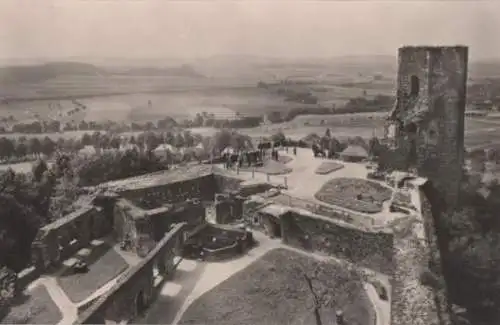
225, 91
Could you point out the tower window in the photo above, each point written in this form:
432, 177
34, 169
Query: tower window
414, 86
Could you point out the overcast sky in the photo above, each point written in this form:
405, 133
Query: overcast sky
166, 28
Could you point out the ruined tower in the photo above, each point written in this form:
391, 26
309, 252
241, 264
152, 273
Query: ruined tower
428, 116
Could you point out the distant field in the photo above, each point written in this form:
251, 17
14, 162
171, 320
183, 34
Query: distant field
134, 107
125, 98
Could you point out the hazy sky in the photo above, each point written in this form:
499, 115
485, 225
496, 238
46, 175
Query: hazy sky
166, 28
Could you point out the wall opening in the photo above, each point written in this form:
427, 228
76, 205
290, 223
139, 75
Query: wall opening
411, 130
272, 227
140, 303
414, 86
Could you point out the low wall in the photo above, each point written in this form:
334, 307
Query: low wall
368, 249
242, 240
136, 289
252, 188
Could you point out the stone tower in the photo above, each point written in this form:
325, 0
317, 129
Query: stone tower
428, 116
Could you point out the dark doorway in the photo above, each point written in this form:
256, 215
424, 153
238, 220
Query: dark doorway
411, 131
414, 86
272, 226
140, 303
276, 227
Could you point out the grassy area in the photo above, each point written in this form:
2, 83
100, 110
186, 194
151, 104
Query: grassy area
104, 263
355, 194
273, 290
328, 167
36, 307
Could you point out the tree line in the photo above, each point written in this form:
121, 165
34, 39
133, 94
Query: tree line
353, 105
48, 192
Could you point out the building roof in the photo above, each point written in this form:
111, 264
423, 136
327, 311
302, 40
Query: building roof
355, 151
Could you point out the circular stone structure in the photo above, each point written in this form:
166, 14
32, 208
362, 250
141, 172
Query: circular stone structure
217, 242
355, 194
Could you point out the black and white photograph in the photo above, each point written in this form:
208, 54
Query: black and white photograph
250, 162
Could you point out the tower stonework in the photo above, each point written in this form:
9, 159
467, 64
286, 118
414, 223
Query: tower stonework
429, 114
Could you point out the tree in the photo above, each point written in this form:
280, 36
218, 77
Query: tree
115, 143
152, 141
34, 146
38, 169
374, 147
328, 133
48, 146
179, 141
278, 138
188, 139
86, 139
7, 148
21, 149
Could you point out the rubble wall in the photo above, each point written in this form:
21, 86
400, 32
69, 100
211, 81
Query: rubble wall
416, 250
364, 248
137, 288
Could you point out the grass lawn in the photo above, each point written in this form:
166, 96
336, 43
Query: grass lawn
37, 307
328, 167
104, 265
354, 193
273, 290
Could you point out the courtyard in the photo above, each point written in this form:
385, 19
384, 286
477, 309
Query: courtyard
273, 290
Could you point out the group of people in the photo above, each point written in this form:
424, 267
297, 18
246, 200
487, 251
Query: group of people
252, 157
248, 157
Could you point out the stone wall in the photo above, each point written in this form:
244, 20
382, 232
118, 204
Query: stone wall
202, 188
137, 288
226, 184
436, 112
314, 233
415, 250
132, 224
61, 239
144, 228
228, 208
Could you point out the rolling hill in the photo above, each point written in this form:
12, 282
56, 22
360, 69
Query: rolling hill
31, 74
